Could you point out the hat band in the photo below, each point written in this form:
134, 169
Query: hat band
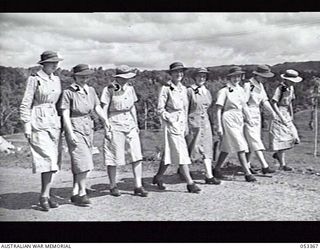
290, 75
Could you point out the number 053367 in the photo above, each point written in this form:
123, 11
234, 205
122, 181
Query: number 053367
309, 245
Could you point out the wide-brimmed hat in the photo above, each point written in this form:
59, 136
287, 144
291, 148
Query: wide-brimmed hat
291, 75
49, 56
236, 70
176, 66
81, 70
201, 70
125, 71
264, 71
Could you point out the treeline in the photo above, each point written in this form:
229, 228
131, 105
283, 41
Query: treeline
147, 83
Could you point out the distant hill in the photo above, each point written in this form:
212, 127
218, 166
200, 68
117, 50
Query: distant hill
147, 82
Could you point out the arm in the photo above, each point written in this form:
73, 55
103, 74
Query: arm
219, 120
102, 115
162, 101
26, 105
68, 126
269, 108
277, 111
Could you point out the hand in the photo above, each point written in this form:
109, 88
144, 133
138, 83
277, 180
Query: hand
73, 139
27, 130
284, 121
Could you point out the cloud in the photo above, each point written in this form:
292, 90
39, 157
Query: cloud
154, 40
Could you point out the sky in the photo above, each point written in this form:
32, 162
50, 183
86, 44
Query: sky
155, 40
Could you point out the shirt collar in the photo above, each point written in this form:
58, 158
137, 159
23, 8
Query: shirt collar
77, 87
174, 86
44, 75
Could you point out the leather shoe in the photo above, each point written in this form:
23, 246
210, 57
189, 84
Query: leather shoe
140, 191
250, 178
193, 188
212, 181
44, 204
286, 168
82, 201
157, 181
115, 192
268, 170
253, 171
218, 174
52, 203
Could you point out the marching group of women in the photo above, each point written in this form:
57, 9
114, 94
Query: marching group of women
185, 115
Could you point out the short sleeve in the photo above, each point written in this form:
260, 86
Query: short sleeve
134, 95
65, 100
221, 97
276, 95
105, 96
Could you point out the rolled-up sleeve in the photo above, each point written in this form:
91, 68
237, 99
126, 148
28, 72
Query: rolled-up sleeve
162, 101
27, 100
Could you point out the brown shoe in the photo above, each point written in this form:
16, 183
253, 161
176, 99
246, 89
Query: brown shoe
115, 191
286, 168
250, 178
268, 170
140, 191
82, 201
53, 203
44, 204
193, 188
157, 181
212, 181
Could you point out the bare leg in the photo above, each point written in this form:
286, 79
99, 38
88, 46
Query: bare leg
208, 167
261, 158
46, 180
248, 156
137, 173
81, 180
243, 162
215, 150
222, 157
186, 173
75, 189
162, 168
281, 156
112, 173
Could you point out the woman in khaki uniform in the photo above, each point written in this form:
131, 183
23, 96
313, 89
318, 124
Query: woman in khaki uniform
257, 95
42, 124
173, 109
232, 100
122, 143
78, 102
199, 138
283, 133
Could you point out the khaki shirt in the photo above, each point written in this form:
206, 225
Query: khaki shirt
231, 97
38, 104
200, 100
121, 107
173, 107
255, 93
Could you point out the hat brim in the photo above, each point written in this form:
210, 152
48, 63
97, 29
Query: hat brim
292, 79
177, 68
53, 59
236, 73
204, 72
84, 72
126, 75
266, 75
